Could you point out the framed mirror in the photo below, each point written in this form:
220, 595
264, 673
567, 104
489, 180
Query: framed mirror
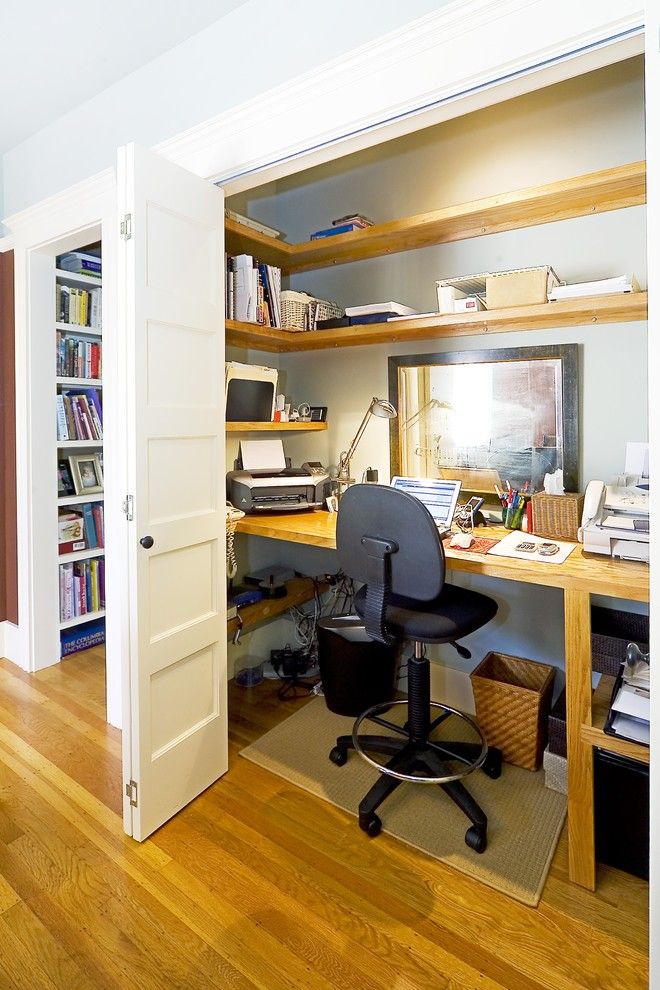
486, 417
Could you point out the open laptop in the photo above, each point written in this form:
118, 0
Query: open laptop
438, 495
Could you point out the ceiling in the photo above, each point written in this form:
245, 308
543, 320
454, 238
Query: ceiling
51, 62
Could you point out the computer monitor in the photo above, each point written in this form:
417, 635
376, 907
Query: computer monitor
437, 494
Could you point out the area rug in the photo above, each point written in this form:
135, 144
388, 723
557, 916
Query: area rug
524, 817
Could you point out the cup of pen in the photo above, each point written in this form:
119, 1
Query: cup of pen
512, 514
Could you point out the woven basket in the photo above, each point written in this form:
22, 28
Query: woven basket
611, 632
557, 516
301, 311
512, 697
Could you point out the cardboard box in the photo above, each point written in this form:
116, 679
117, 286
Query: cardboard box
523, 287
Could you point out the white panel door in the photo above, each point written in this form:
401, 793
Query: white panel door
171, 294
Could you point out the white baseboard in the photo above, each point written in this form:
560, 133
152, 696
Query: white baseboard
10, 643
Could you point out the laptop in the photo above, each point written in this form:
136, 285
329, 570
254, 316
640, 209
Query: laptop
439, 495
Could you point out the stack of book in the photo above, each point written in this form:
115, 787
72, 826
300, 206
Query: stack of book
81, 529
343, 225
81, 307
82, 587
80, 263
79, 415
82, 637
253, 291
77, 357
601, 287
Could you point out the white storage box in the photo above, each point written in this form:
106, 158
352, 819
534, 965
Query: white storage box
556, 772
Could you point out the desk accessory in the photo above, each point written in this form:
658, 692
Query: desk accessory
377, 407
557, 516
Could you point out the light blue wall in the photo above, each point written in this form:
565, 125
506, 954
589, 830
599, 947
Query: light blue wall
249, 51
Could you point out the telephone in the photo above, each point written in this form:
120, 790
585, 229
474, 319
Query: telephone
594, 501
233, 515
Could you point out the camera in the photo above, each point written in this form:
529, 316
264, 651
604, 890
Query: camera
290, 663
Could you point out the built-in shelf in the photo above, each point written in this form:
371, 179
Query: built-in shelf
78, 620
274, 427
67, 558
79, 330
79, 444
583, 195
78, 499
80, 382
70, 278
299, 590
624, 307
594, 733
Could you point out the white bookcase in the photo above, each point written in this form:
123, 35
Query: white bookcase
70, 604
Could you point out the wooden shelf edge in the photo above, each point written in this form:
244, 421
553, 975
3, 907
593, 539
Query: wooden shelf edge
274, 427
595, 736
299, 589
624, 307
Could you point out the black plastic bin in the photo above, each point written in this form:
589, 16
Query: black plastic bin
356, 672
622, 812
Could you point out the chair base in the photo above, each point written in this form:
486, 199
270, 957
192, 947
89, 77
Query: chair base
418, 762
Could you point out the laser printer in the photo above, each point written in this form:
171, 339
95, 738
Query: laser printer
264, 481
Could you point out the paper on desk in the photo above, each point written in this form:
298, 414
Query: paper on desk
507, 548
631, 728
263, 455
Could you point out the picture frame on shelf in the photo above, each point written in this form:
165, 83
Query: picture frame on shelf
87, 474
65, 484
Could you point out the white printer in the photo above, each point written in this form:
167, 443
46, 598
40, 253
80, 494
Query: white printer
615, 521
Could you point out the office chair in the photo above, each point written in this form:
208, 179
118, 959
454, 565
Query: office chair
387, 539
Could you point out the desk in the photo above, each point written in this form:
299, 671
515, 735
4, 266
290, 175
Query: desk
579, 577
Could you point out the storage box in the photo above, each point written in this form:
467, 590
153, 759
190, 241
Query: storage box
611, 632
557, 727
523, 287
556, 772
557, 516
301, 311
512, 697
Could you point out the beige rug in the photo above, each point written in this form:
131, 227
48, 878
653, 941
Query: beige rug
524, 817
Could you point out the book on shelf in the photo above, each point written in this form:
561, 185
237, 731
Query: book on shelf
357, 219
77, 357
70, 531
382, 307
82, 587
600, 287
80, 263
82, 637
262, 228
79, 414
79, 307
93, 520
340, 228
253, 291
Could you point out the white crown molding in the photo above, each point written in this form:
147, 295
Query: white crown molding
55, 213
427, 63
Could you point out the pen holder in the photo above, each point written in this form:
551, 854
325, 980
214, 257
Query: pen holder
512, 516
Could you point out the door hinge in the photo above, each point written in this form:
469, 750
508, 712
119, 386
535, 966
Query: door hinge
126, 227
127, 508
132, 793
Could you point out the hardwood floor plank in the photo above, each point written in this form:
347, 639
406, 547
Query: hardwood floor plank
47, 950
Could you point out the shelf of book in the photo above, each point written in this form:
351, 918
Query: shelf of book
78, 620
67, 558
274, 427
78, 329
80, 382
78, 499
582, 195
624, 307
77, 281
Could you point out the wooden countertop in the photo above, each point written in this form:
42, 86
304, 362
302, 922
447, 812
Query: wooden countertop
581, 571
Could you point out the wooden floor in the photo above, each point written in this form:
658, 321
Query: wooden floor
256, 883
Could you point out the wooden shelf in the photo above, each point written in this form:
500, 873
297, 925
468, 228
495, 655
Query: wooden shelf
624, 307
79, 330
78, 620
274, 427
594, 733
67, 558
583, 195
299, 590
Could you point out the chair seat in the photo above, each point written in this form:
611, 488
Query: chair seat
455, 613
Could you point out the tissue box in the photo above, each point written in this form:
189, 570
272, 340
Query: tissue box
557, 516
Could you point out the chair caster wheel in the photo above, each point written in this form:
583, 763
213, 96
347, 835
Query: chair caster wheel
338, 756
476, 839
371, 826
492, 765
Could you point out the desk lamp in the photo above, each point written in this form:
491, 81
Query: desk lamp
377, 407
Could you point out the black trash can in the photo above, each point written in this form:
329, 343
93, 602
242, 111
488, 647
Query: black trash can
356, 672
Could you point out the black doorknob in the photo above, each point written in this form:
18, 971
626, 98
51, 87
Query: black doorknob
147, 542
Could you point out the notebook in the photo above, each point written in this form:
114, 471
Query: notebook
438, 495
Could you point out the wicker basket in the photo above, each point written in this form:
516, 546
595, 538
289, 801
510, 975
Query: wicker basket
301, 311
611, 631
512, 697
557, 516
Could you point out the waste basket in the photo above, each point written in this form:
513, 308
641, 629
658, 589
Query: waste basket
356, 672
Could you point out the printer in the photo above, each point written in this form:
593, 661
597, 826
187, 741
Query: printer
615, 521
263, 481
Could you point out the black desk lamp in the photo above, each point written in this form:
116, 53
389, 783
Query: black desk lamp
377, 407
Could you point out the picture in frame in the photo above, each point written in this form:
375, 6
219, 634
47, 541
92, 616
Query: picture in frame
87, 474
65, 484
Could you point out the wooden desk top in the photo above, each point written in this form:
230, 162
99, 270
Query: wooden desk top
582, 571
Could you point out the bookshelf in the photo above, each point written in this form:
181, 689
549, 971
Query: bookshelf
79, 446
294, 427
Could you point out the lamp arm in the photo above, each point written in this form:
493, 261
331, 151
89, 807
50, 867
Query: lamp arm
346, 457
